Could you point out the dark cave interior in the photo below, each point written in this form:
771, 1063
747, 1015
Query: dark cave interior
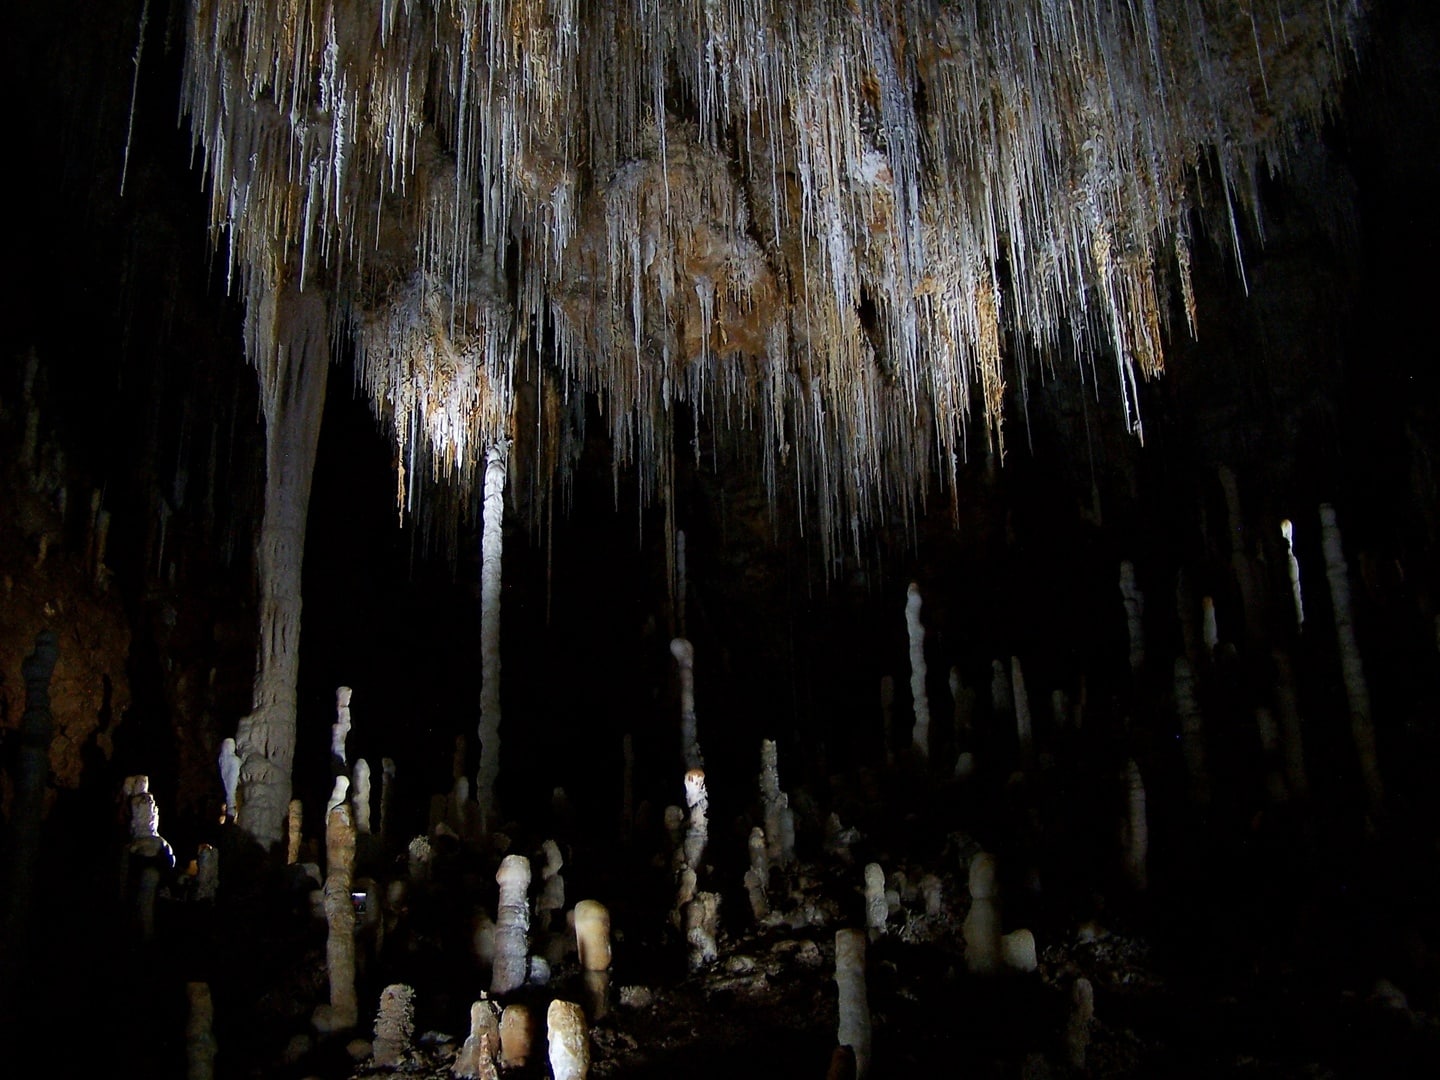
1272, 929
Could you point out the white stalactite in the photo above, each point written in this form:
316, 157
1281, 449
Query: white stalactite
1287, 533
920, 734
491, 542
1357, 693
684, 654
341, 727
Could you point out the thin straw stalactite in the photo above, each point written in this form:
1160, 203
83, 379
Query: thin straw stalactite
838, 229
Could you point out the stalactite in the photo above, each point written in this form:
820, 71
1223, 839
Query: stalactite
1357, 692
493, 526
920, 733
684, 654
704, 199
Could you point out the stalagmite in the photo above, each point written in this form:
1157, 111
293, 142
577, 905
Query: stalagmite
1134, 614
697, 831
920, 734
684, 654
419, 857
1292, 736
755, 894
387, 794
963, 718
229, 763
1192, 732
512, 926
775, 807
569, 1040
1357, 693
294, 837
200, 1047
757, 849
1077, 1027
1292, 564
982, 924
360, 796
592, 935
854, 1005
702, 929
491, 544
207, 873
592, 942
343, 1010
1137, 829
1024, 726
877, 905
287, 334
517, 1036
552, 886
887, 717
1017, 949
341, 727
476, 1059
394, 1026
148, 856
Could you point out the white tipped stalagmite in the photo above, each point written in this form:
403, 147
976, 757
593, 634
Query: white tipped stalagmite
1137, 829
339, 793
684, 654
1134, 614
512, 926
1357, 693
569, 1041
854, 1004
342, 1012
920, 733
517, 1036
552, 887
491, 544
592, 946
702, 929
340, 729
